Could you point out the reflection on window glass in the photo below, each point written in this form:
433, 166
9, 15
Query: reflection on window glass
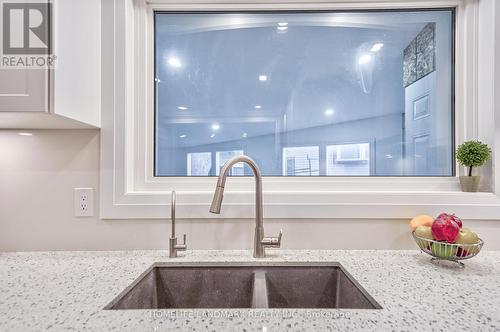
301, 161
348, 159
222, 156
199, 164
285, 87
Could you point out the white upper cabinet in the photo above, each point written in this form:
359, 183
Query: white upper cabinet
67, 95
24, 90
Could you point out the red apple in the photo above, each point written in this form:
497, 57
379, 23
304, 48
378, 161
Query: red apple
452, 216
461, 252
457, 220
444, 228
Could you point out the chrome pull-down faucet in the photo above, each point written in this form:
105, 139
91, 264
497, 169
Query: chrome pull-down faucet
260, 241
173, 246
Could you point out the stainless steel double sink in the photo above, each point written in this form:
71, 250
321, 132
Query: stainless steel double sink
244, 285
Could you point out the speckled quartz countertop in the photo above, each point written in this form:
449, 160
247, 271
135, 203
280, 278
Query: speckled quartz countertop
67, 291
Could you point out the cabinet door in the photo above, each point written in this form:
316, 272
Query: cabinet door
24, 90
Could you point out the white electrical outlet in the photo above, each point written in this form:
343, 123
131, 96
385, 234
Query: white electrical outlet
84, 202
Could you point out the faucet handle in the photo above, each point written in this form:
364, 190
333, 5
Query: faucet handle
182, 246
272, 242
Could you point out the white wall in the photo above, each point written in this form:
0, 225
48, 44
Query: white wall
38, 174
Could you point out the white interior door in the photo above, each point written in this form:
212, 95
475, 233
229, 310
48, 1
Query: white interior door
420, 120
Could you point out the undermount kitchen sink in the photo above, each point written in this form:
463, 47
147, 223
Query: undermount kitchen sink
244, 285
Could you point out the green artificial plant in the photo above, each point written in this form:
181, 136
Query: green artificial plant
473, 154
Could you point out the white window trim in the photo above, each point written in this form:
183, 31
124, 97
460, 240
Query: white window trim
129, 189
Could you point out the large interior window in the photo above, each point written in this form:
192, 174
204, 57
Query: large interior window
294, 90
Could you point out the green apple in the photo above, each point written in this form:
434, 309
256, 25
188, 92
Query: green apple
466, 236
424, 232
443, 250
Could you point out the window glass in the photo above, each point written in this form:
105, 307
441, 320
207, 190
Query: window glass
301, 161
348, 159
222, 156
305, 93
199, 164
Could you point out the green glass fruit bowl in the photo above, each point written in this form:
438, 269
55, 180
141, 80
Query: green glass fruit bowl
454, 252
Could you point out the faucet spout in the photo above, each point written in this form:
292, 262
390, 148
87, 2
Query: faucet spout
260, 242
217, 200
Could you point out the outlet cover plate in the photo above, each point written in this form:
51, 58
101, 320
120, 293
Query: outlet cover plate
84, 202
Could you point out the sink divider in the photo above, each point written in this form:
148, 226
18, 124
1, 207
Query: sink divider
259, 296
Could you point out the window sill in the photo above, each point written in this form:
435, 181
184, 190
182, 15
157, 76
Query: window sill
309, 205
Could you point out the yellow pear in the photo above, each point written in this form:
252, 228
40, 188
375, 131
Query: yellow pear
424, 232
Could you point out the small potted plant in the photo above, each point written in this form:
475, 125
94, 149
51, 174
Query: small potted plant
472, 154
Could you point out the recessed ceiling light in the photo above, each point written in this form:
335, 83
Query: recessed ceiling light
215, 126
183, 136
174, 62
244, 135
212, 136
25, 134
329, 112
282, 24
364, 59
377, 47
262, 78
182, 108
257, 107
282, 28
